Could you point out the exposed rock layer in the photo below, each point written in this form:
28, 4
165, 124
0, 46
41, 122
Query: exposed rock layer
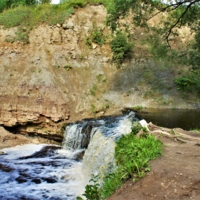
57, 77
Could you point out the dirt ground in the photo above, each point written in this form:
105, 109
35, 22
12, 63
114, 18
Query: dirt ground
174, 176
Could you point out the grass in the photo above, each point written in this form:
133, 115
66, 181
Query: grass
132, 156
28, 17
195, 129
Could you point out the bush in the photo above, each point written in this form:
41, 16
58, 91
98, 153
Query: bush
6, 4
120, 47
26, 18
96, 36
189, 82
183, 82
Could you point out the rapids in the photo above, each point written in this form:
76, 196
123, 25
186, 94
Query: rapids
36, 172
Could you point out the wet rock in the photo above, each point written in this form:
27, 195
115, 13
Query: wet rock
5, 168
49, 180
1, 152
21, 180
36, 180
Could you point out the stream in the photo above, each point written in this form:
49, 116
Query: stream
37, 172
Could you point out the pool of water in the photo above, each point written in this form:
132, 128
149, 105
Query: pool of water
172, 118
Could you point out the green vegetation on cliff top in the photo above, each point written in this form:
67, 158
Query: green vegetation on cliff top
27, 16
157, 40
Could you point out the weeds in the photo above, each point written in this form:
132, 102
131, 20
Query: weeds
101, 78
189, 82
93, 90
136, 108
67, 67
120, 47
96, 36
93, 108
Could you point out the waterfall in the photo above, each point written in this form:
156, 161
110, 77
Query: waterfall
45, 171
97, 138
78, 135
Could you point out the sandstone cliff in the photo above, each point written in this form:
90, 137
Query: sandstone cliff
42, 82
58, 78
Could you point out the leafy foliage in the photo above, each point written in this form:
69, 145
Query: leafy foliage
180, 12
25, 17
189, 82
96, 36
120, 47
6, 4
183, 82
26, 14
136, 127
92, 191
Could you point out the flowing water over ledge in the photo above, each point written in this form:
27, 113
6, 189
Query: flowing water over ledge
37, 172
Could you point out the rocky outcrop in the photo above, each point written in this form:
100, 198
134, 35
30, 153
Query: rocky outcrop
59, 78
43, 82
8, 139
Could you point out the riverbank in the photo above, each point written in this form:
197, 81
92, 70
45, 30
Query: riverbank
174, 175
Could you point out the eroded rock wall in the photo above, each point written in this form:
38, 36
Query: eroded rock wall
43, 81
58, 77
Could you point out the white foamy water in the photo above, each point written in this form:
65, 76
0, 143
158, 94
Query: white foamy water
21, 150
25, 174
37, 172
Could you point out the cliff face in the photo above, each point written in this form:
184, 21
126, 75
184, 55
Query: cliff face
43, 81
59, 78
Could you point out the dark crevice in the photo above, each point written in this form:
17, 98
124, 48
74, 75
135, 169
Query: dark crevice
56, 138
12, 129
21, 130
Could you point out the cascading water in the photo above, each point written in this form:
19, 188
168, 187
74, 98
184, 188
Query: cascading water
48, 172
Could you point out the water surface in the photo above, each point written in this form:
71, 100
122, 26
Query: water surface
172, 118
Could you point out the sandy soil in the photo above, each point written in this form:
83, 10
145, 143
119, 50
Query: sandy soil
174, 176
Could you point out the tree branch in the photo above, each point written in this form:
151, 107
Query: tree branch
178, 20
174, 5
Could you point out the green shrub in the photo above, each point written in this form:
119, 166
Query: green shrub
120, 47
136, 127
26, 18
190, 82
96, 36
183, 82
15, 17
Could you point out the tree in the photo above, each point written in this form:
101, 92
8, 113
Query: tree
180, 12
45, 1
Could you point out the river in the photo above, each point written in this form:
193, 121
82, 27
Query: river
40, 172
172, 118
